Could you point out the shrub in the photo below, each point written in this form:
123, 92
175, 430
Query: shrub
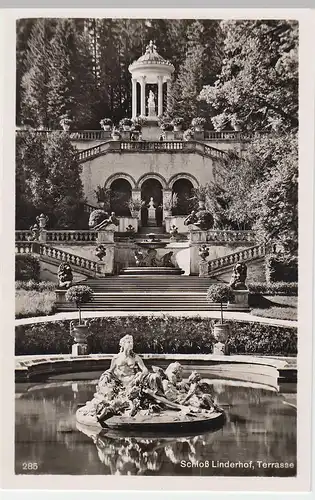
277, 288
219, 293
157, 335
279, 268
27, 267
79, 294
96, 217
31, 303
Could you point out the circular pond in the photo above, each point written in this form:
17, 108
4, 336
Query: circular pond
258, 437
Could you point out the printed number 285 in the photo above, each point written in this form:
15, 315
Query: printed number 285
30, 466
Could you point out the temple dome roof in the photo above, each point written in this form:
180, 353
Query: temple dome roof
152, 59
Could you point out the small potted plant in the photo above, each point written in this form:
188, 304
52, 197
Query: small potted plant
116, 135
139, 121
134, 207
65, 122
198, 123
106, 124
219, 293
188, 135
79, 294
177, 123
126, 124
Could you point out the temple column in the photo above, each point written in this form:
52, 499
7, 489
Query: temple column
160, 95
142, 83
134, 97
168, 92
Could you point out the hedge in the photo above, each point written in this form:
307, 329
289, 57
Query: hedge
277, 288
278, 268
27, 267
157, 335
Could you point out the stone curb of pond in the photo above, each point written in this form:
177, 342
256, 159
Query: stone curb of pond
273, 371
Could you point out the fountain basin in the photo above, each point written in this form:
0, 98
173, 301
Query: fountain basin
157, 271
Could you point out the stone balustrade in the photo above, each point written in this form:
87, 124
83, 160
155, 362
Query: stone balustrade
221, 236
240, 256
151, 146
55, 253
52, 236
71, 236
228, 135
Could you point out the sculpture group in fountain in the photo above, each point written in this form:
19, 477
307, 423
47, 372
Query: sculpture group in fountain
128, 388
150, 259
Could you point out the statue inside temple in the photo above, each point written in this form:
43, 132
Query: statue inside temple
130, 390
151, 104
239, 276
65, 276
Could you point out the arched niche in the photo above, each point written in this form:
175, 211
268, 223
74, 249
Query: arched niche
120, 194
182, 192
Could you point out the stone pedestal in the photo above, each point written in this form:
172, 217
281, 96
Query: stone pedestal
43, 235
106, 235
61, 296
151, 217
203, 269
79, 349
240, 302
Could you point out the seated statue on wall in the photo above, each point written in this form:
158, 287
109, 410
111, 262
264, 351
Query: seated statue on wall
239, 276
128, 388
35, 232
65, 276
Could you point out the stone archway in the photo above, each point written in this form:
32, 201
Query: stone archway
182, 193
152, 188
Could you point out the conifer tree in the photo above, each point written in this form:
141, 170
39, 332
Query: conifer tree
36, 78
71, 86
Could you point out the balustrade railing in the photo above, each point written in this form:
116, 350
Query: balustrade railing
55, 253
228, 135
59, 235
240, 256
230, 235
70, 236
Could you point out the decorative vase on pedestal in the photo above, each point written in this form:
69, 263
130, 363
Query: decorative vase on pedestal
108, 128
221, 333
80, 334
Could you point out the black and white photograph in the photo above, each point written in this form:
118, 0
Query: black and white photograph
157, 252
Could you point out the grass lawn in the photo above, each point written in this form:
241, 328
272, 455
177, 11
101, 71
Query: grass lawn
276, 306
33, 303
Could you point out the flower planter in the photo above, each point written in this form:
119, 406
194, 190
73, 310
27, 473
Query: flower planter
116, 137
134, 214
80, 334
126, 128
108, 128
65, 128
177, 128
221, 333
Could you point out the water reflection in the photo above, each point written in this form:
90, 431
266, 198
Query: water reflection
260, 425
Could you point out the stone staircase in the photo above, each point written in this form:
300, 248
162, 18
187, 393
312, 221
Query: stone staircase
147, 293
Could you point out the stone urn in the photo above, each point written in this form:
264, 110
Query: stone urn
221, 333
80, 334
107, 128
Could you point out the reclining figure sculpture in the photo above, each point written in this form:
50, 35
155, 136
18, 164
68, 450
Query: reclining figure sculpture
130, 391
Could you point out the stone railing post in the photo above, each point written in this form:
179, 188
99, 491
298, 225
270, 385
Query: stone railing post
43, 235
203, 269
